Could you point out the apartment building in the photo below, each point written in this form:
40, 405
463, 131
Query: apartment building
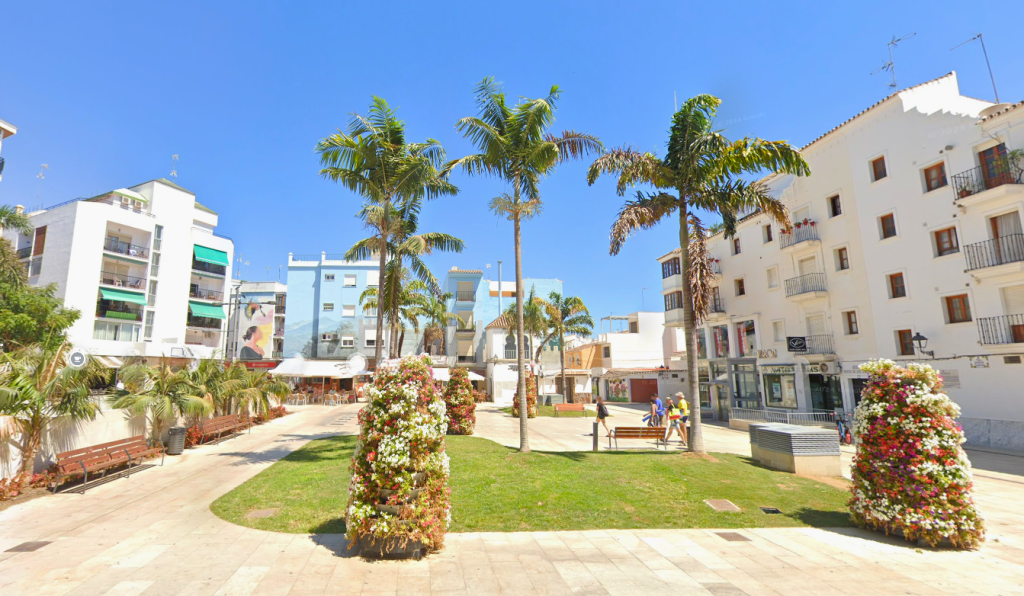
142, 264
6, 130
907, 245
256, 321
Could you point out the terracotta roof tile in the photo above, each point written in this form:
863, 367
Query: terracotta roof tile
502, 322
1009, 108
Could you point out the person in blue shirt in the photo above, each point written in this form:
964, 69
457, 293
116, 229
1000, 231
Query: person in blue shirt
657, 411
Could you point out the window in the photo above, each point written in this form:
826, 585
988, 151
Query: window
348, 310
670, 267
741, 288
370, 312
372, 278
158, 236
736, 246
905, 342
673, 301
779, 331
878, 169
35, 267
370, 342
350, 281
328, 306
150, 315
835, 206
151, 299
634, 327
958, 310
766, 233
842, 257
115, 331
897, 286
154, 265
745, 339
946, 242
850, 322
773, 277
607, 351
935, 177
40, 242
720, 335
328, 337
328, 277
347, 341
887, 225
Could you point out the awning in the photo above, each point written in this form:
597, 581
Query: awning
299, 367
109, 361
444, 374
211, 255
124, 192
206, 310
123, 296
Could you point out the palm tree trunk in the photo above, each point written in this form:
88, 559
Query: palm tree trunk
30, 446
696, 438
393, 349
378, 346
524, 439
561, 356
401, 340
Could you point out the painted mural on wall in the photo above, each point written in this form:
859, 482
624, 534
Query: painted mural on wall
257, 328
617, 390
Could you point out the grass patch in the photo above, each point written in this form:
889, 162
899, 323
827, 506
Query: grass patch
549, 412
497, 489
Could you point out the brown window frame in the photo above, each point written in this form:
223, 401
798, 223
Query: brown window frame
948, 245
905, 342
670, 268
889, 218
844, 258
960, 303
835, 206
902, 285
736, 249
768, 233
876, 172
741, 287
940, 180
850, 319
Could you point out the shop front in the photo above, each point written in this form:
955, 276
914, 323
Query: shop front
779, 386
728, 383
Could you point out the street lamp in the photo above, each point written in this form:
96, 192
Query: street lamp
922, 342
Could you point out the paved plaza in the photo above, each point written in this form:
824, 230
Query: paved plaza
154, 534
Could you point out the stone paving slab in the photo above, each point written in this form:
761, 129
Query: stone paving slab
154, 535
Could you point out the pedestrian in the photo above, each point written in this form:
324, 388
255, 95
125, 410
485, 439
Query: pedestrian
602, 413
684, 407
657, 411
675, 417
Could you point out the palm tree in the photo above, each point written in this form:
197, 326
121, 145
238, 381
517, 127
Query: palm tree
373, 159
254, 392
515, 146
535, 323
403, 305
701, 166
434, 309
12, 271
212, 382
37, 386
159, 393
567, 315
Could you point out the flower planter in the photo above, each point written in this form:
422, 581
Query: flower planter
413, 494
389, 509
390, 548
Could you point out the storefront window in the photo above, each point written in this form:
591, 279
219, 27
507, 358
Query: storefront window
745, 337
858, 386
721, 338
745, 386
780, 386
703, 376
702, 345
719, 372
704, 392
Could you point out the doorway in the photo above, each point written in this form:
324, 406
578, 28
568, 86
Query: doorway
569, 394
825, 392
721, 393
1007, 238
641, 390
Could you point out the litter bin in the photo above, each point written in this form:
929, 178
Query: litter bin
176, 440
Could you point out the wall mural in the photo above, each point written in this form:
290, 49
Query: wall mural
617, 390
256, 328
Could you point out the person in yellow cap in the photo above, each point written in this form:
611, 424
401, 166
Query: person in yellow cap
676, 419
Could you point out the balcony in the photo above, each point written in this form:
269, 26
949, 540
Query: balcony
819, 344
24, 253
1007, 329
799, 238
716, 267
278, 332
109, 309
998, 256
806, 287
468, 330
510, 354
204, 323
126, 249
277, 355
979, 184
469, 359
465, 296
204, 294
208, 268
119, 280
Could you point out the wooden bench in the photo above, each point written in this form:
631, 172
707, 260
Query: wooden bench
100, 458
638, 432
570, 408
222, 424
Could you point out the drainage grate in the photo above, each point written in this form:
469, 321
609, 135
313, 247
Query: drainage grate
770, 510
27, 547
261, 513
721, 505
733, 536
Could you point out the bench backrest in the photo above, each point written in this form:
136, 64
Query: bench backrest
639, 432
570, 407
219, 423
93, 454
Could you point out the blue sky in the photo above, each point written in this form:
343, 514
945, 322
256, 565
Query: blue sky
105, 93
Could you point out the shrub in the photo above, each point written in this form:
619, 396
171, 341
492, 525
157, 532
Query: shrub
459, 403
193, 436
531, 397
910, 475
10, 487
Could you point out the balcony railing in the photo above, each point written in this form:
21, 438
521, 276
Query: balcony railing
124, 248
278, 355
118, 310
1007, 329
465, 296
278, 332
510, 354
204, 294
812, 282
716, 267
203, 322
998, 251
466, 329
975, 180
208, 268
819, 344
716, 305
798, 235
24, 253
119, 280
464, 359
279, 309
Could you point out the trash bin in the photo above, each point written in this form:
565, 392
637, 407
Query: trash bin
176, 440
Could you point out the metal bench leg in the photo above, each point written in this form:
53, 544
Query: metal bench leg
85, 479
129, 474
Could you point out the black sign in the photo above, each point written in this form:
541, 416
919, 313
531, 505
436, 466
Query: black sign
796, 344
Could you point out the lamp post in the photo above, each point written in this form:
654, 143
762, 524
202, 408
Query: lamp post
921, 342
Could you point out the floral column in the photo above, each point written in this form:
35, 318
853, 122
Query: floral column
910, 475
458, 399
399, 500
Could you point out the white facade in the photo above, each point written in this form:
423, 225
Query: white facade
130, 242
6, 130
260, 304
932, 246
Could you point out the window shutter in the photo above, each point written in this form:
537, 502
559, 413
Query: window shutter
1013, 298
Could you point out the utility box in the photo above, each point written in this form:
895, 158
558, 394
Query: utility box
808, 450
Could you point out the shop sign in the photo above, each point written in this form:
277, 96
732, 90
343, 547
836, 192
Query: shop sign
796, 344
779, 370
767, 354
979, 362
950, 379
260, 364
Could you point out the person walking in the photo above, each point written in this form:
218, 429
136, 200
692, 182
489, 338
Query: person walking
675, 417
602, 413
657, 411
684, 407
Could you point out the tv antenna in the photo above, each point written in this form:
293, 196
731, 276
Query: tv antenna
890, 66
174, 168
987, 63
39, 185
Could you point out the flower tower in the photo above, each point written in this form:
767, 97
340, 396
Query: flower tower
399, 500
910, 475
458, 399
531, 397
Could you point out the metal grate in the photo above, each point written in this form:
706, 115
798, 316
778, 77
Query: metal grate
733, 536
721, 505
797, 440
770, 510
27, 547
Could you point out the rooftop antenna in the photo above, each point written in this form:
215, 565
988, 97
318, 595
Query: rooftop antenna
39, 185
890, 66
279, 272
675, 103
987, 63
174, 168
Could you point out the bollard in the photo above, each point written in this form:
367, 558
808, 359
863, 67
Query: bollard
595, 435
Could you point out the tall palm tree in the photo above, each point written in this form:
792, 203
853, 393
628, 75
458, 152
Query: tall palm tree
160, 393
702, 167
567, 315
434, 309
12, 271
516, 146
403, 305
535, 323
37, 386
373, 159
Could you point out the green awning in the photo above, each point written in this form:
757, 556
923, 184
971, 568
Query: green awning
206, 310
123, 296
211, 255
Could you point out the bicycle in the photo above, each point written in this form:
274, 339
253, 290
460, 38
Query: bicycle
844, 428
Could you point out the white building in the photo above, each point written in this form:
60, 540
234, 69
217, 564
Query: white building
6, 130
913, 229
256, 321
142, 264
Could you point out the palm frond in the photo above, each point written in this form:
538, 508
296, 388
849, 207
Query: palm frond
641, 214
632, 168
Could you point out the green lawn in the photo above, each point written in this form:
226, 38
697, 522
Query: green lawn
497, 489
549, 411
